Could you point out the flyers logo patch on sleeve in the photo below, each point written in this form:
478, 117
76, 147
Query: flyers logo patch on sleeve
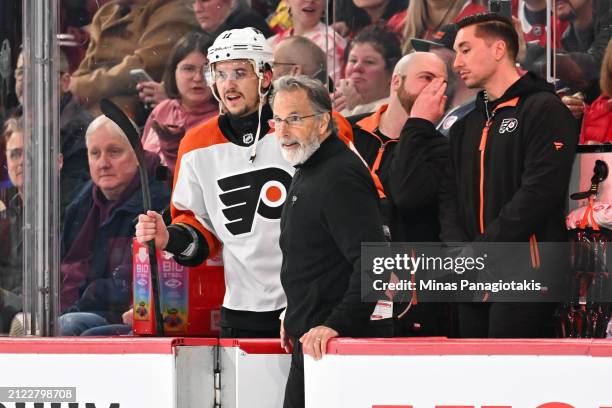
260, 192
558, 145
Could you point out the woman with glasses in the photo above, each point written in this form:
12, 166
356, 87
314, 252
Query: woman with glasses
190, 102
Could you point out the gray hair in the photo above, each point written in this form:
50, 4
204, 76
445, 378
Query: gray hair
13, 125
100, 122
317, 93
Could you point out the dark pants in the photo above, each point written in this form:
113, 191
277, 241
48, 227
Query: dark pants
294, 391
506, 320
234, 333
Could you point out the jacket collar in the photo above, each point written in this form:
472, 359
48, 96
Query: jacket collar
372, 122
526, 85
329, 147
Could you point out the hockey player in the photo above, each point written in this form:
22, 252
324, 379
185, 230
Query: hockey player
230, 185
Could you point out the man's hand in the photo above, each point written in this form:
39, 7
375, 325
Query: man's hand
522, 43
346, 95
575, 103
431, 102
314, 343
128, 317
341, 28
286, 341
151, 93
151, 226
72, 88
169, 131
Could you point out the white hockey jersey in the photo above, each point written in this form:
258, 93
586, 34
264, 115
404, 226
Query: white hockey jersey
237, 206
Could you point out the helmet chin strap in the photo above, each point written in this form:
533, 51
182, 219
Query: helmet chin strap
262, 100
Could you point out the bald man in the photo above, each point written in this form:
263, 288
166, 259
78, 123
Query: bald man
299, 56
406, 156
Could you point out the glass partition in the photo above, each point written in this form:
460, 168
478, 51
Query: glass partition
68, 214
11, 165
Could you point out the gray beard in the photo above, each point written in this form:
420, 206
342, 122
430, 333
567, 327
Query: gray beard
303, 152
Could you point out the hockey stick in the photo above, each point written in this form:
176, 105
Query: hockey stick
114, 113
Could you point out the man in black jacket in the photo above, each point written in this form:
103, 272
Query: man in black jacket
510, 164
332, 207
406, 157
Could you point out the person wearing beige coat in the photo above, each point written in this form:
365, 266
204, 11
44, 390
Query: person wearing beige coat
126, 35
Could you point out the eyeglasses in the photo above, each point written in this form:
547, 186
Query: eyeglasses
292, 120
189, 71
14, 154
283, 63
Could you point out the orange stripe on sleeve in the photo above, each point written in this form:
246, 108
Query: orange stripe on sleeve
202, 136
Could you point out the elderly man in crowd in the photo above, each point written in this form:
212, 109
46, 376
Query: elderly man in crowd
299, 56
96, 256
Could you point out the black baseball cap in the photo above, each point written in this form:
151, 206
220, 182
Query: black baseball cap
445, 37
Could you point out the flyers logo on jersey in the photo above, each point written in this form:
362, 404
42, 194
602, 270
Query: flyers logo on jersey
260, 192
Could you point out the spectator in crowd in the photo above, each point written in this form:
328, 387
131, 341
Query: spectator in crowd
217, 16
15, 111
127, 35
306, 19
191, 101
518, 145
11, 227
442, 45
74, 120
96, 255
371, 57
424, 18
597, 120
532, 17
322, 230
19, 71
406, 157
211, 206
353, 15
19, 74
584, 43
74, 19
299, 56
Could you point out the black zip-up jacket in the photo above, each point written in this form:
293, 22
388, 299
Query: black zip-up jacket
331, 208
410, 170
510, 185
